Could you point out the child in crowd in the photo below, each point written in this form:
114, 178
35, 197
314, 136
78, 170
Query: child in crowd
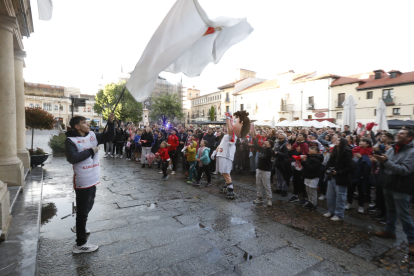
138, 148
203, 159
128, 149
191, 159
300, 147
264, 168
311, 170
164, 159
322, 176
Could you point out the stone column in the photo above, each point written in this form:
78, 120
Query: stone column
11, 168
22, 152
145, 118
5, 217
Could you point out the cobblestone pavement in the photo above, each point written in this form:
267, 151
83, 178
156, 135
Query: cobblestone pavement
146, 226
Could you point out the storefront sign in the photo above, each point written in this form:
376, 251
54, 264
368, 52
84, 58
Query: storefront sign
320, 110
320, 115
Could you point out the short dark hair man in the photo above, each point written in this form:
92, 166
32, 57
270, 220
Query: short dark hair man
81, 150
398, 165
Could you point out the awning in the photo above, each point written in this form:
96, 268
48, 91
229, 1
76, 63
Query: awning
321, 120
398, 124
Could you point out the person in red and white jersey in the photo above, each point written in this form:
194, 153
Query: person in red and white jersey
81, 150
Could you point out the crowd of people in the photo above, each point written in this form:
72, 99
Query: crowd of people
342, 166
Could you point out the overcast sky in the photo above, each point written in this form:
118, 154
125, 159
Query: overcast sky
88, 38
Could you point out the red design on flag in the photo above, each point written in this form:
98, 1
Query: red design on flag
92, 138
210, 30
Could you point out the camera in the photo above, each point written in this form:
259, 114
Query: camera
329, 171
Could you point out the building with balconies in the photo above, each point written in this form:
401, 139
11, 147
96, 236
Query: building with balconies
395, 88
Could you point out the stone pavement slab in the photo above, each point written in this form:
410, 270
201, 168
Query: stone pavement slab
146, 226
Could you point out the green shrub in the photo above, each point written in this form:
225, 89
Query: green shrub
57, 142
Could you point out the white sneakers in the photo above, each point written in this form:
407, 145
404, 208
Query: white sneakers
105, 156
335, 218
74, 230
327, 215
160, 172
322, 197
360, 210
215, 173
348, 206
86, 248
258, 201
121, 156
173, 172
269, 203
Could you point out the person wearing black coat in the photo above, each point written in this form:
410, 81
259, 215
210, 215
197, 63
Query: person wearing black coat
339, 171
282, 165
182, 139
146, 140
120, 139
210, 138
311, 169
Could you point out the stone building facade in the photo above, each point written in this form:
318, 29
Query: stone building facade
56, 100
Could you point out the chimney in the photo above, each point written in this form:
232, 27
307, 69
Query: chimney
394, 73
193, 87
378, 74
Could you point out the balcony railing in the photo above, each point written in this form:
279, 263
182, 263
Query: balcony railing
338, 104
389, 100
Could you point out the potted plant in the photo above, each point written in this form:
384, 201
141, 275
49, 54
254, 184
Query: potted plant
57, 144
37, 157
36, 118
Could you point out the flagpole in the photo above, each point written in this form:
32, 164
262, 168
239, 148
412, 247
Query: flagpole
113, 110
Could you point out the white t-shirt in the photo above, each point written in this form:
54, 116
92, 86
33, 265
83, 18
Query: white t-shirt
226, 149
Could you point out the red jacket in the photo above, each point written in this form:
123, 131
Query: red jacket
163, 154
362, 151
173, 141
304, 147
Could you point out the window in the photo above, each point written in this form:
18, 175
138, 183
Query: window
31, 105
377, 75
37, 105
341, 99
241, 106
339, 115
393, 75
190, 94
61, 107
227, 97
227, 108
196, 95
311, 100
369, 95
56, 107
388, 96
47, 106
396, 111
84, 109
89, 109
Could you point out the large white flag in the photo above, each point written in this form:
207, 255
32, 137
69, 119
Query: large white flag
186, 41
45, 8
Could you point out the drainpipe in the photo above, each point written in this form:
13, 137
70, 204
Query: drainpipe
301, 104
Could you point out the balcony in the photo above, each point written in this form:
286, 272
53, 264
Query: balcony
286, 108
389, 100
227, 100
338, 104
310, 106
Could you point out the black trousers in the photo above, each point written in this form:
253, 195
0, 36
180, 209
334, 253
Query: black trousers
322, 183
380, 199
119, 146
363, 195
85, 199
173, 157
206, 169
299, 184
164, 167
128, 153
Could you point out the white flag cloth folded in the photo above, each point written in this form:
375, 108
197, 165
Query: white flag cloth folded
45, 8
186, 41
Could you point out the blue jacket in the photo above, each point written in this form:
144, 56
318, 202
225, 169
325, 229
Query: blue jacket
205, 158
136, 140
155, 139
